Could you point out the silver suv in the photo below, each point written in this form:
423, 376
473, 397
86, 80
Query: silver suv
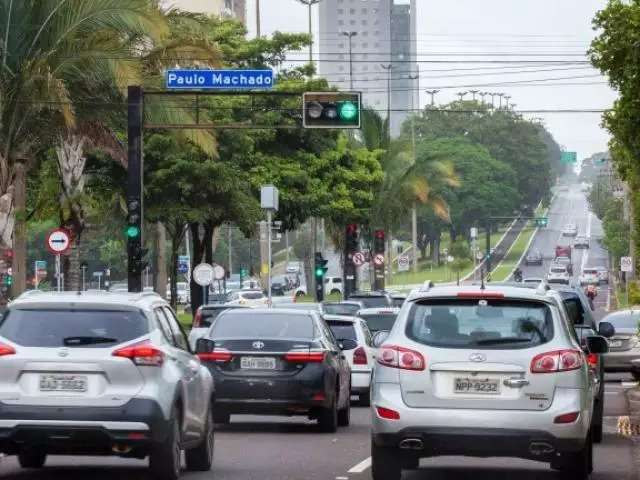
102, 374
483, 372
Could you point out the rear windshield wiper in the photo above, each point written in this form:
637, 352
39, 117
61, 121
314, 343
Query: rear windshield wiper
73, 341
498, 341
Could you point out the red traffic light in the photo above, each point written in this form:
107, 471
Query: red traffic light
379, 234
352, 229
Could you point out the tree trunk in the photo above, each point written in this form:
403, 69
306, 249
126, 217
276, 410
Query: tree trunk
19, 234
72, 268
160, 268
435, 253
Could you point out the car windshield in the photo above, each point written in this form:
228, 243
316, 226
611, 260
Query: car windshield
493, 323
263, 325
625, 319
342, 330
372, 301
340, 308
379, 321
72, 327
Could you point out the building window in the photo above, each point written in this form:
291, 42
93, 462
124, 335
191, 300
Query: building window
352, 11
340, 22
365, 68
341, 11
365, 33
341, 56
352, 22
363, 22
376, 45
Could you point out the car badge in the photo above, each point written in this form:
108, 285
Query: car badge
477, 357
258, 345
63, 352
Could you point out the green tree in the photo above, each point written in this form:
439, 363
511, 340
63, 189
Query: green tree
461, 253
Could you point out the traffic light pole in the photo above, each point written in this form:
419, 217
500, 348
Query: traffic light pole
134, 183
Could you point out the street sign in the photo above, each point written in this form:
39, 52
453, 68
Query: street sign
189, 79
474, 233
378, 259
58, 241
358, 259
626, 264
569, 157
542, 221
183, 263
403, 263
218, 272
203, 274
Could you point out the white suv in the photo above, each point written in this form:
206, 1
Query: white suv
102, 374
483, 372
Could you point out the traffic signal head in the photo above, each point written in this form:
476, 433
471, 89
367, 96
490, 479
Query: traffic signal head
320, 266
378, 241
134, 219
352, 238
542, 221
331, 110
8, 280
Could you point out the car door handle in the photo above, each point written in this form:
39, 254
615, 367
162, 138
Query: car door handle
516, 382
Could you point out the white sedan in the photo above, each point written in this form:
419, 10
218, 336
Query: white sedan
248, 298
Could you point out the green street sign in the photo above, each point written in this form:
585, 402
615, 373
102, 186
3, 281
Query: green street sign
569, 157
542, 221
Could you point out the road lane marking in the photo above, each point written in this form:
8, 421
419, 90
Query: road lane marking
361, 467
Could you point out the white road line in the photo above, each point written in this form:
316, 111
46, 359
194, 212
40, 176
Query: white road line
361, 467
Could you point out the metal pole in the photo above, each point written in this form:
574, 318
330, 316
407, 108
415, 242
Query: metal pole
388, 67
414, 236
58, 284
229, 248
258, 18
134, 183
286, 245
35, 269
269, 257
310, 36
488, 253
84, 269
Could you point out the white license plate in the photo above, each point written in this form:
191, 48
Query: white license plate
258, 363
63, 383
615, 343
488, 386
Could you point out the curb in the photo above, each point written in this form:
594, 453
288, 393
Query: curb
629, 427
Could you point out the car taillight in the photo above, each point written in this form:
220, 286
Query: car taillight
558, 361
360, 356
304, 356
567, 417
220, 355
143, 354
197, 320
399, 357
387, 413
592, 360
6, 350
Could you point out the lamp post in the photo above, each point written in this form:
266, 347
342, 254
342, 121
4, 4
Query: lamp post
350, 36
309, 4
500, 95
462, 95
414, 210
473, 94
432, 93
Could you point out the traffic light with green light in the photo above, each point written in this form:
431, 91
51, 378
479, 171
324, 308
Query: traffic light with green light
542, 222
331, 110
320, 270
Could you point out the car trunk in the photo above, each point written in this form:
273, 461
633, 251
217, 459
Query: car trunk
624, 339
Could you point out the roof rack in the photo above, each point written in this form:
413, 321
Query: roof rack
426, 286
543, 288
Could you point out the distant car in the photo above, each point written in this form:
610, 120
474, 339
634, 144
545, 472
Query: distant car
624, 346
218, 297
534, 257
558, 274
347, 307
362, 358
373, 299
603, 274
293, 267
120, 287
570, 230
332, 285
566, 261
203, 319
535, 280
379, 318
249, 298
183, 293
589, 276
563, 251
581, 242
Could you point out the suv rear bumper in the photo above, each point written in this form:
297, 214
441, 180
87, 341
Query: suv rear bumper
82, 430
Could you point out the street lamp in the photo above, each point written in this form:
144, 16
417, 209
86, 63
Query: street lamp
388, 67
500, 95
474, 93
461, 95
350, 35
414, 210
432, 93
507, 98
310, 3
482, 95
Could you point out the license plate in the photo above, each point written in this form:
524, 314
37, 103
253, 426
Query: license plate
488, 386
615, 343
258, 363
63, 383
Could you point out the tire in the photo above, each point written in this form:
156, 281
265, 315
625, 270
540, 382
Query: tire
328, 418
636, 376
596, 427
32, 458
577, 465
344, 414
364, 399
222, 418
165, 457
200, 459
385, 463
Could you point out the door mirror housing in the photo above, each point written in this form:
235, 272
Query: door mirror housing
205, 345
606, 329
347, 344
380, 337
597, 345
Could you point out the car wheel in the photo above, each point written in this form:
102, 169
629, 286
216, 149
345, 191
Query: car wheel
365, 399
328, 418
222, 418
636, 376
344, 414
200, 459
385, 463
32, 458
596, 428
577, 465
165, 457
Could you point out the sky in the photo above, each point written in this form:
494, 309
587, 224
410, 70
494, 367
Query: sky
546, 31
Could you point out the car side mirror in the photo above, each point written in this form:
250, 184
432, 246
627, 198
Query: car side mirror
606, 329
205, 345
346, 344
597, 344
380, 337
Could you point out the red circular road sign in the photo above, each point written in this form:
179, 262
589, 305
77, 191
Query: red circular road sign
378, 259
58, 241
358, 259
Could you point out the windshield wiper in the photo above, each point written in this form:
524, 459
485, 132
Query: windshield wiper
498, 341
73, 341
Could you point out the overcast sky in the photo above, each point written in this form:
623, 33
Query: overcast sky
543, 30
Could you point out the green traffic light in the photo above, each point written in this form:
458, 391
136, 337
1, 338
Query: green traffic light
319, 272
132, 231
348, 111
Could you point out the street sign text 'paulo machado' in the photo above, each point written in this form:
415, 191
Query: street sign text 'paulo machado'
219, 79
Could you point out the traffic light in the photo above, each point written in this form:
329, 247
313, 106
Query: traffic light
135, 251
319, 271
243, 275
331, 110
134, 219
378, 241
351, 243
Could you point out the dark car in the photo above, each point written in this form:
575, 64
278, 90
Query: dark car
534, 257
347, 307
379, 318
373, 299
278, 362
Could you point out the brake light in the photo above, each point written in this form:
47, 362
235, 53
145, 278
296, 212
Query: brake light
304, 356
480, 294
220, 355
592, 360
387, 413
6, 350
558, 361
567, 417
360, 356
197, 320
399, 357
143, 354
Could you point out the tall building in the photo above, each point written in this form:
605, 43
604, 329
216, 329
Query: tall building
228, 8
382, 35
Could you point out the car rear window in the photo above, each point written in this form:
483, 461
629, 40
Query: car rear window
624, 320
72, 328
590, 271
209, 315
379, 321
372, 302
491, 324
342, 330
340, 309
558, 270
252, 295
263, 325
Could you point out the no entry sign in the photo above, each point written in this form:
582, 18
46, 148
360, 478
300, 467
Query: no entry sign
58, 241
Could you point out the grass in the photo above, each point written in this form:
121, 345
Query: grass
510, 261
185, 320
332, 297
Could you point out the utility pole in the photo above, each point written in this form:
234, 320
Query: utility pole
507, 98
309, 4
493, 96
414, 210
432, 93
258, 18
500, 95
350, 35
388, 67
482, 95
